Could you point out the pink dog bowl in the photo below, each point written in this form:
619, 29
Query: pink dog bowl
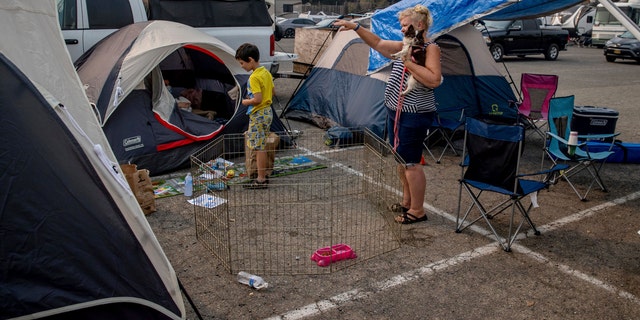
325, 256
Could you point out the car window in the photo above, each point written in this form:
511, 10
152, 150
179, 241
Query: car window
67, 14
529, 24
516, 24
211, 13
496, 24
112, 14
627, 35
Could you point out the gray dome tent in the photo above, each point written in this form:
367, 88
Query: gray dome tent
124, 77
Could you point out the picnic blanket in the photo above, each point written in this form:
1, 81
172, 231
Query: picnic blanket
217, 179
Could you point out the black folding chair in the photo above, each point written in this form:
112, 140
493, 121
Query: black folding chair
491, 160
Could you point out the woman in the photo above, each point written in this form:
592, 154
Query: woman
409, 115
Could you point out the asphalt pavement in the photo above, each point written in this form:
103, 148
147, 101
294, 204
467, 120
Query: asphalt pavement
584, 265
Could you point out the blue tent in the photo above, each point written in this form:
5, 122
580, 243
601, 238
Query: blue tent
341, 91
450, 14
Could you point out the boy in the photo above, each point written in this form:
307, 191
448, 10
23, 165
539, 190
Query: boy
259, 96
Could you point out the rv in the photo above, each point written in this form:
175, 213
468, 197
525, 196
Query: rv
580, 23
606, 26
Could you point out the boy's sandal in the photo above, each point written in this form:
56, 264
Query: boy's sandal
397, 207
408, 218
255, 184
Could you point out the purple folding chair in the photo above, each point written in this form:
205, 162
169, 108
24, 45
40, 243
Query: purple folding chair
537, 91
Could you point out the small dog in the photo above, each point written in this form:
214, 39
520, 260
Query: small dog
413, 41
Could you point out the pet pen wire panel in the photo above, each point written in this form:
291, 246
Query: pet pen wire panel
317, 197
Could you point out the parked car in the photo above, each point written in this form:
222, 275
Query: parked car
85, 22
324, 23
289, 26
623, 46
523, 37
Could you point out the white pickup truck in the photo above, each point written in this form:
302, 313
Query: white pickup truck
85, 22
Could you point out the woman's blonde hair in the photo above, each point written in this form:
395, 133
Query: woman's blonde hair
419, 13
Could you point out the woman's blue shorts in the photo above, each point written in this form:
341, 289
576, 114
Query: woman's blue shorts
412, 130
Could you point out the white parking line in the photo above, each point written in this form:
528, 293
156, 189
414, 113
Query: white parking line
356, 294
317, 308
587, 212
573, 272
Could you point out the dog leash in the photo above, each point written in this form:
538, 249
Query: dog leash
396, 139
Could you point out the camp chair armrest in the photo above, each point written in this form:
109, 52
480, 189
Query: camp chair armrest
557, 167
556, 137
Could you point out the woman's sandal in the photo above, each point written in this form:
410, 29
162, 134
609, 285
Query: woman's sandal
397, 207
408, 218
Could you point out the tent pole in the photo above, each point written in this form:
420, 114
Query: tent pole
511, 82
333, 29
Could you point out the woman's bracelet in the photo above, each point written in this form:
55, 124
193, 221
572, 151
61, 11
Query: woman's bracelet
357, 26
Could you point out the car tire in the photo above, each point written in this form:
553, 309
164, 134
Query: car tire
552, 52
277, 33
497, 51
289, 33
610, 59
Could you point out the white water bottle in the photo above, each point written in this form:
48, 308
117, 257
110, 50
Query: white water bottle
573, 142
251, 280
188, 185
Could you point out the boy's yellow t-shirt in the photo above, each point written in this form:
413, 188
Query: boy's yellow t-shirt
261, 81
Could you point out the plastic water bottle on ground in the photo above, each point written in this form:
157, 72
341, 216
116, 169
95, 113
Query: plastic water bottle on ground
188, 185
251, 280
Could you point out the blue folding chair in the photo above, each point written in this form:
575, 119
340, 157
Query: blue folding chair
444, 127
557, 149
491, 160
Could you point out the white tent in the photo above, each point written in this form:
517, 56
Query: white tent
75, 243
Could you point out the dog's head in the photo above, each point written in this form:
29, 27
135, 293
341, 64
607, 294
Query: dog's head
419, 38
410, 32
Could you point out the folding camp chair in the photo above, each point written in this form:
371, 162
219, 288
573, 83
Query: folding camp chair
445, 125
491, 160
560, 115
537, 90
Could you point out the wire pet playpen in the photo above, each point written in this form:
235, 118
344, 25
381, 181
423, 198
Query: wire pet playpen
321, 200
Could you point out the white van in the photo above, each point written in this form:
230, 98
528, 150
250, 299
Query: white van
85, 22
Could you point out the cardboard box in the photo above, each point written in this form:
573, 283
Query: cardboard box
301, 67
141, 186
273, 140
309, 45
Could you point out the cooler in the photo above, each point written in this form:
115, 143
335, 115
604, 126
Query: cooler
594, 120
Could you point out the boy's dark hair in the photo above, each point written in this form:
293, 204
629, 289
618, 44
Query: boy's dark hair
246, 51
